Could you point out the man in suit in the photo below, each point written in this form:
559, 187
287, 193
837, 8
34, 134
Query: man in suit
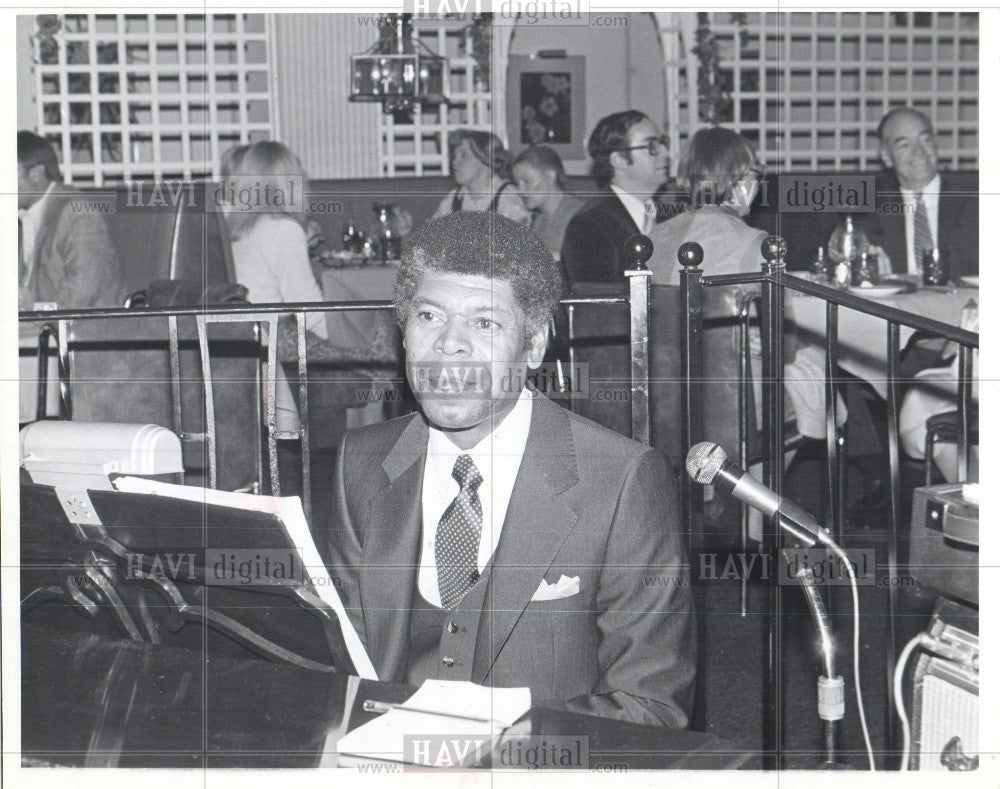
65, 253
493, 536
629, 162
917, 207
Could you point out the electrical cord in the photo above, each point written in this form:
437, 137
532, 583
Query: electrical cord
857, 647
897, 696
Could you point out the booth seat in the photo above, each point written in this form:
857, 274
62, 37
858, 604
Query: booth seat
187, 238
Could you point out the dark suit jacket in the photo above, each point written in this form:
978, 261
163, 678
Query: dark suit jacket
958, 225
587, 502
75, 263
592, 246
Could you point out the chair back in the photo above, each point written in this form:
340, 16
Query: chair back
600, 339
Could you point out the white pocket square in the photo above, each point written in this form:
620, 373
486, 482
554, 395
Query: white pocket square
564, 587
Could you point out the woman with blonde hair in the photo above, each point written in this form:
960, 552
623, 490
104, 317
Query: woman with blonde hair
263, 189
264, 196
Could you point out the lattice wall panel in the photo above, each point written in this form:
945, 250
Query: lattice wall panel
809, 88
138, 96
418, 145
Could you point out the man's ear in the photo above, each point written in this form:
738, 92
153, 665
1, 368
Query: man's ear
37, 174
884, 154
537, 344
618, 160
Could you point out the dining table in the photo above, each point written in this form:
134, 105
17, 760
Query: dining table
862, 339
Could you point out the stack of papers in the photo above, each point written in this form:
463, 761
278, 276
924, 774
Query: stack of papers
444, 724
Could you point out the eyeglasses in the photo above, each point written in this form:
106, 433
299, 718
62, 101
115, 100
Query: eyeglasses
653, 146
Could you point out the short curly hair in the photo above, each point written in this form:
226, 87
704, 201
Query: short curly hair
485, 244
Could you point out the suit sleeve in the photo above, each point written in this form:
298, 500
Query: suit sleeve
965, 237
90, 275
588, 253
345, 551
647, 644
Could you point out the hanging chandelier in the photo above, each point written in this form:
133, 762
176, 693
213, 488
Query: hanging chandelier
398, 70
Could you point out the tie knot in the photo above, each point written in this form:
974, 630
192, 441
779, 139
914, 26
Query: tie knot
466, 474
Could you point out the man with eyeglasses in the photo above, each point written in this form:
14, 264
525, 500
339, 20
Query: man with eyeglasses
630, 159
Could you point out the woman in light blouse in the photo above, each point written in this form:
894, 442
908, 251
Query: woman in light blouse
480, 168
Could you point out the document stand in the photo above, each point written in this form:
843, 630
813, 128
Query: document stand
152, 564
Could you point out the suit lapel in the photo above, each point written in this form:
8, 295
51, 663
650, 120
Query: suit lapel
55, 202
392, 552
622, 216
537, 523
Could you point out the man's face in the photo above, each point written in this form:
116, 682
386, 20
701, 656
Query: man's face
465, 167
647, 171
467, 352
31, 185
909, 148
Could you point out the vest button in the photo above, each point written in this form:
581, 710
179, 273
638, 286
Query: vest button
452, 627
448, 662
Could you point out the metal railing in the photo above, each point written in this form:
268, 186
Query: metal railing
774, 281
264, 318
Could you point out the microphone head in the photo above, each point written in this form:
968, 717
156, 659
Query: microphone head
704, 461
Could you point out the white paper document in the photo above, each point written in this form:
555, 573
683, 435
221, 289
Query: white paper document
444, 724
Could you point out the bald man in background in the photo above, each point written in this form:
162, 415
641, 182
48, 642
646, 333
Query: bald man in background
917, 206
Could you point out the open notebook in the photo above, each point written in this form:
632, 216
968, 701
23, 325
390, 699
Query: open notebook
443, 724
288, 509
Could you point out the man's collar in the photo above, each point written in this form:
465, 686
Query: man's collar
34, 212
933, 187
511, 430
636, 208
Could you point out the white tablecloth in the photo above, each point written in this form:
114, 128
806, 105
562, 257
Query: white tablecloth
863, 338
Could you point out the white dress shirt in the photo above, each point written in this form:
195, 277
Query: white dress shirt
498, 457
642, 213
932, 195
31, 218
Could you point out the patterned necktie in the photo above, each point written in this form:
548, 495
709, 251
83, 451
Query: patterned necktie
648, 217
456, 202
456, 546
921, 232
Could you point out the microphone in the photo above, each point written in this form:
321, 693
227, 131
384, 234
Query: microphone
708, 464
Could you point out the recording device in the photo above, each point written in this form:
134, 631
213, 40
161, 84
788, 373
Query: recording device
944, 540
708, 464
945, 724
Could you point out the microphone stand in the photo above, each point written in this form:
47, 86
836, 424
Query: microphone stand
830, 685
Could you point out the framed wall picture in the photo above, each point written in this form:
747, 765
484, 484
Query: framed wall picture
547, 104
